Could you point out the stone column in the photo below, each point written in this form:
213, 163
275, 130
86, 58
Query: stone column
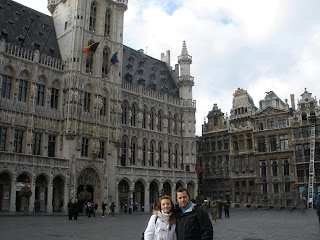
65, 196
146, 200
32, 198
49, 196
13, 196
174, 195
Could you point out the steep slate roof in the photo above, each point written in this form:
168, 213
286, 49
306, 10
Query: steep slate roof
141, 69
19, 23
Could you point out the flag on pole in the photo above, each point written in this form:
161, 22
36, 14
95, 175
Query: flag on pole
199, 167
92, 47
114, 58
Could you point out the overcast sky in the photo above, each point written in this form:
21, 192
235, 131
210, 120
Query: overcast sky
257, 45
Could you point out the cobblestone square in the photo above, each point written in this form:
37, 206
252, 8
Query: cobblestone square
243, 224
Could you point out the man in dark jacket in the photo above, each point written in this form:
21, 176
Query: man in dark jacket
70, 209
192, 222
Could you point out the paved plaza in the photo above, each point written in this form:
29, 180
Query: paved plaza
243, 224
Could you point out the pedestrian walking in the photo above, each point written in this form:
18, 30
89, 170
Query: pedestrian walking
35, 206
125, 208
87, 209
91, 208
112, 206
70, 209
162, 222
76, 209
103, 206
192, 222
220, 206
226, 208
213, 210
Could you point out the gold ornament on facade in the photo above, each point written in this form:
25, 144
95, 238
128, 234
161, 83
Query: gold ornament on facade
238, 91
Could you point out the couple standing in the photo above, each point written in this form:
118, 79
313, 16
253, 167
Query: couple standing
187, 221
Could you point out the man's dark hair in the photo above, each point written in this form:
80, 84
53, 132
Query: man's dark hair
182, 189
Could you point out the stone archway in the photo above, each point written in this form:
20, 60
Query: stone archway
58, 194
139, 194
167, 189
89, 180
41, 192
5, 195
190, 189
154, 193
124, 195
22, 180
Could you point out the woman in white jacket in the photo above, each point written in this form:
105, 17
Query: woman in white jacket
162, 224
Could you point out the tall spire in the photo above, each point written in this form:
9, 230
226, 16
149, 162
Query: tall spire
184, 54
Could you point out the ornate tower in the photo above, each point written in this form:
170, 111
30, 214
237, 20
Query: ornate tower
185, 84
185, 81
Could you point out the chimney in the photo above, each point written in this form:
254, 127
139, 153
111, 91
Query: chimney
293, 104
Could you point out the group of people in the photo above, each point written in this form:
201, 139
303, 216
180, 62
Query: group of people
73, 209
187, 220
90, 208
216, 207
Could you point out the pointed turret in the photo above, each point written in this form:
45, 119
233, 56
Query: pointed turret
185, 81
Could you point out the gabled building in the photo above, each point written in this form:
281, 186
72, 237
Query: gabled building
269, 151
74, 123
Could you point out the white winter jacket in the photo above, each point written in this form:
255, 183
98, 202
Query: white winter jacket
158, 228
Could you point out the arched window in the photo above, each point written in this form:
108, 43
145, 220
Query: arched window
144, 153
176, 156
133, 115
263, 169
175, 124
133, 152
93, 12
286, 167
87, 99
105, 62
169, 122
144, 118
160, 150
89, 60
107, 24
274, 168
6, 86
169, 156
124, 115
152, 155
124, 152
159, 121
152, 119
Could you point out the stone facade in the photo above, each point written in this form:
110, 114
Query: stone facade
269, 150
74, 122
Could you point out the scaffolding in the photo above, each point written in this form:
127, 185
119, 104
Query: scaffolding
312, 120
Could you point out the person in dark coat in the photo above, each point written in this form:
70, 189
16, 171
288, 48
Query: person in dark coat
220, 206
226, 208
70, 209
192, 222
91, 209
76, 209
103, 206
112, 206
